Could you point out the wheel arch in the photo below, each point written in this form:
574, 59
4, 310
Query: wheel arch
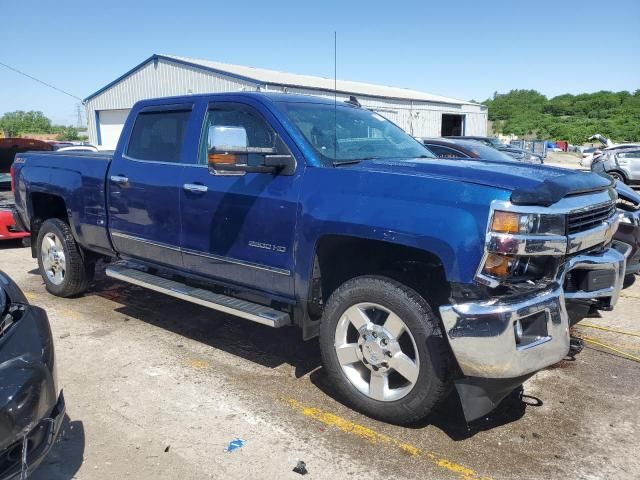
42, 207
337, 258
618, 171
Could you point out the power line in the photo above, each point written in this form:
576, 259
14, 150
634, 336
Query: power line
40, 81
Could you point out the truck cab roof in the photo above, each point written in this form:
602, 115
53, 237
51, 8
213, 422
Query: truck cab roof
262, 96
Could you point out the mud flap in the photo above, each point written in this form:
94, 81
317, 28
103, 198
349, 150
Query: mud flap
480, 396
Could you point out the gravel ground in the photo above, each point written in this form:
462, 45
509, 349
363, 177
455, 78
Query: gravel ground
156, 389
565, 160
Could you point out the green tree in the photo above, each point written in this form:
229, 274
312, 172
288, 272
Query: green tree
68, 133
20, 122
568, 117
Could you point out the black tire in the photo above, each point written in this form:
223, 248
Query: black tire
435, 373
78, 273
618, 176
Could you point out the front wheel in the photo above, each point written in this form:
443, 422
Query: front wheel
383, 348
64, 271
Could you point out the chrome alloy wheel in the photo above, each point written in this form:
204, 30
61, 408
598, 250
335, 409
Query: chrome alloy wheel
53, 259
377, 352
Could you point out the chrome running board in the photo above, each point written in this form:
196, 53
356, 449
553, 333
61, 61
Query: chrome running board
215, 301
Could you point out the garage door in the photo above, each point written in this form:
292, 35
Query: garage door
110, 124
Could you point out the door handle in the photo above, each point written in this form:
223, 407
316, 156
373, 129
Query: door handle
195, 188
119, 179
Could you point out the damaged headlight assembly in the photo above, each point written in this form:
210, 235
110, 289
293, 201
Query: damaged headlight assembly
520, 247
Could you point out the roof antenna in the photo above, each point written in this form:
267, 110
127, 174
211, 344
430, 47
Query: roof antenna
335, 95
353, 100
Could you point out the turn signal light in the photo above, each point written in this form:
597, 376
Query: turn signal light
498, 265
505, 222
222, 158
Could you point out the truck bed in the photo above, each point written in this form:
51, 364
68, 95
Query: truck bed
76, 177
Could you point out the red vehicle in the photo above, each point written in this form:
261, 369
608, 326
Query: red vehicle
10, 146
8, 228
8, 149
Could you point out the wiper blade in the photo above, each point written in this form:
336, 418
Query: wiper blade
346, 162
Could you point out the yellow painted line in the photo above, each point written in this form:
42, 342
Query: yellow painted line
376, 438
611, 330
621, 353
68, 313
30, 296
628, 295
197, 363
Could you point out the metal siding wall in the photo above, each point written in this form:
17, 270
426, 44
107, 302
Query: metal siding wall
420, 119
164, 79
159, 79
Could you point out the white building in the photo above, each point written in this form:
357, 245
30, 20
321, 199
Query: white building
420, 114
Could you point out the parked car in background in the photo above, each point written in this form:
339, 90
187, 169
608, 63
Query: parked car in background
516, 153
79, 148
599, 152
622, 163
5, 182
10, 146
8, 228
629, 228
31, 405
455, 148
587, 156
57, 145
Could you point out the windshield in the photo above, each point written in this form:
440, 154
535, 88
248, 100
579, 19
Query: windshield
496, 143
345, 134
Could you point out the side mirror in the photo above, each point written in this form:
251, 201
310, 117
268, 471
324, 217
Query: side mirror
228, 152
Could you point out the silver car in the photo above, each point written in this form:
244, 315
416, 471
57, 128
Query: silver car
622, 164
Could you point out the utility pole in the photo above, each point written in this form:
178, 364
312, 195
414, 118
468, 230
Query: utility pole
80, 117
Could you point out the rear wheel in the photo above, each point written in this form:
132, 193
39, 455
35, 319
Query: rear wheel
64, 271
384, 349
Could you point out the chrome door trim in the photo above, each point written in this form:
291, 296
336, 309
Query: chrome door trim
144, 240
258, 266
280, 271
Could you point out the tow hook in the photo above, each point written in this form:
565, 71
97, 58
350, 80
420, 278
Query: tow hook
576, 345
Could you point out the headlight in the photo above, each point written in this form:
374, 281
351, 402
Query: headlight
534, 159
514, 268
527, 223
522, 246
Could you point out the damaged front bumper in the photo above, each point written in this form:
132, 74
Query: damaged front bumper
31, 407
500, 343
629, 232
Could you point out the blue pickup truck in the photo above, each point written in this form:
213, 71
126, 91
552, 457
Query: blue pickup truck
417, 274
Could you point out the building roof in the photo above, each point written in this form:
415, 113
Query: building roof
274, 77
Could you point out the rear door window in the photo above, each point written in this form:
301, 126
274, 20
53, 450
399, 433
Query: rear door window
158, 136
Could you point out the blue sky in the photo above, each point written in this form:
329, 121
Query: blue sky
464, 49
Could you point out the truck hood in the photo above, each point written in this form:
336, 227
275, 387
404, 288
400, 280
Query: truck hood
529, 184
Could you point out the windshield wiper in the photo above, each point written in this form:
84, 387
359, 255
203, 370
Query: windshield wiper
347, 162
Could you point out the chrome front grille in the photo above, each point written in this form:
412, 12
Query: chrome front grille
589, 218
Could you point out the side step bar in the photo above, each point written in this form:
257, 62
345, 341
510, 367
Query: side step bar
233, 306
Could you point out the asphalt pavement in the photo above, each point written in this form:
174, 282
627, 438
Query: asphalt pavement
157, 388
